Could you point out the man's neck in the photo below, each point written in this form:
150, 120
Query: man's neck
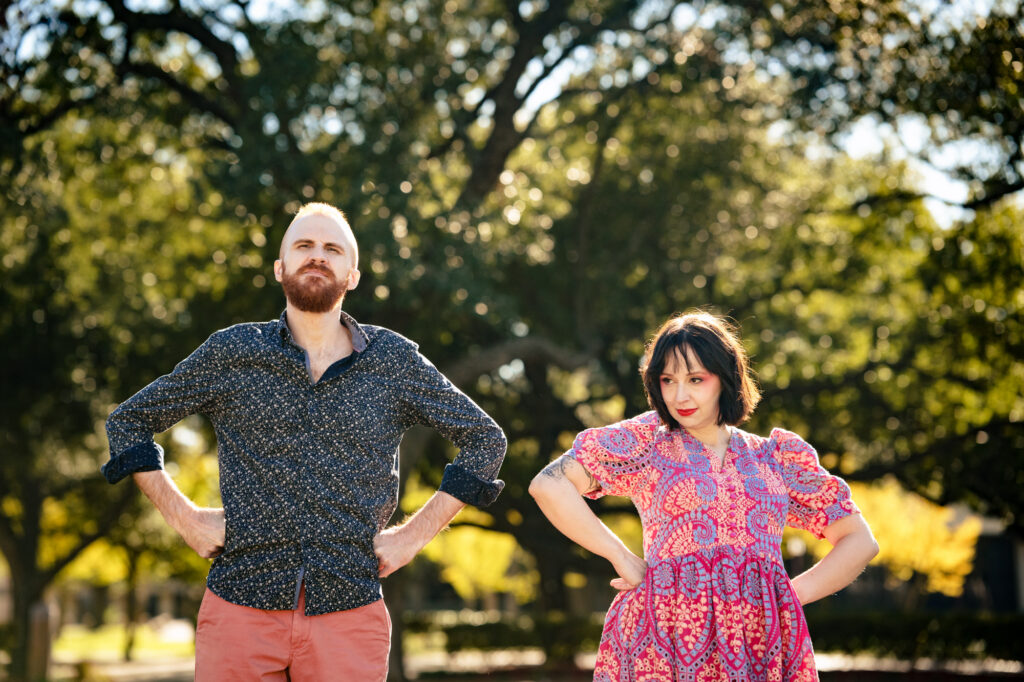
317, 333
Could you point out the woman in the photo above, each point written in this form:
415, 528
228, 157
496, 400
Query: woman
712, 600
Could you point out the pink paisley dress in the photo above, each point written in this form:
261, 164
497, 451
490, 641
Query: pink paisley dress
716, 602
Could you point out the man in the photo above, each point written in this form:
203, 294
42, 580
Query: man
308, 411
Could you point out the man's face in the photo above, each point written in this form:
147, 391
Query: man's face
317, 265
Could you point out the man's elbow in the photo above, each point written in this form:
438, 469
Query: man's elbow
501, 442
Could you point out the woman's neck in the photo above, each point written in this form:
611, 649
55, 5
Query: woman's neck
715, 436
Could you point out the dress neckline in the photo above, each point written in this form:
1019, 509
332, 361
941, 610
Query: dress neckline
717, 465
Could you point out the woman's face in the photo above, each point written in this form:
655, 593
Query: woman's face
690, 392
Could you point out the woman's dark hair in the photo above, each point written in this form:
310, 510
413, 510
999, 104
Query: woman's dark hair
715, 342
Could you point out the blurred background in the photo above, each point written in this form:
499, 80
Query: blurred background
535, 187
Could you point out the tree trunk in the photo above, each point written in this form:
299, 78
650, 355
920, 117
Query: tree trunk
25, 597
38, 663
131, 602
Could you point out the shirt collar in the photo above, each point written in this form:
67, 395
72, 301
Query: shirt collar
359, 337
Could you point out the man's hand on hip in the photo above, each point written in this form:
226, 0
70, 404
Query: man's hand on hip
394, 549
204, 531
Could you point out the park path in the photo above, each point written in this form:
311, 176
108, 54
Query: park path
517, 666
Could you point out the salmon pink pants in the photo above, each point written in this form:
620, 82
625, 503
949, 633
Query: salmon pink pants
245, 644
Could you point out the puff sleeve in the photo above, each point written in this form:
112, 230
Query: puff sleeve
617, 455
816, 497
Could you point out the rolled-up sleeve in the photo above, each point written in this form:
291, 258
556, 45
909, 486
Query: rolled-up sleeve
189, 389
431, 399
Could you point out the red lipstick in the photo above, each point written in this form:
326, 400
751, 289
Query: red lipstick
686, 413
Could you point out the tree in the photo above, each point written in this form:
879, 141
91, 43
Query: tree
549, 181
86, 310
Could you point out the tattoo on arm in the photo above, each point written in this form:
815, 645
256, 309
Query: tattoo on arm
557, 470
592, 483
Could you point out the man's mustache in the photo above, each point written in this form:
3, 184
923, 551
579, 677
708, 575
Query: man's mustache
316, 268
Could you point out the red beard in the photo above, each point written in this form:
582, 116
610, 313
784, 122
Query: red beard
312, 295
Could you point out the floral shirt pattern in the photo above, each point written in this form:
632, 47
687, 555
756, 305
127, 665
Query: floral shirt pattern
308, 470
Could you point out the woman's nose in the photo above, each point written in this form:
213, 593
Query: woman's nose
680, 393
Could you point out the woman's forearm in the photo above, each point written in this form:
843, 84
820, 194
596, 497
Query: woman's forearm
571, 515
852, 549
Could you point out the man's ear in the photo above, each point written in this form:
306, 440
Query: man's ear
278, 269
353, 279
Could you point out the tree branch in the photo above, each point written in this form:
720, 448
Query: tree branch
196, 99
179, 20
995, 195
535, 348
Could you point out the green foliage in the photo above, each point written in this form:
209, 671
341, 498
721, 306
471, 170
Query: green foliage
150, 157
949, 636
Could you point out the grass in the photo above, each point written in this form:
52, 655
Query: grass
106, 643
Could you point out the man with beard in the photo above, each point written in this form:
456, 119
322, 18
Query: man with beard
308, 410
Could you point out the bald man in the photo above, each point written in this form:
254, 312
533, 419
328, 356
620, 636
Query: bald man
309, 410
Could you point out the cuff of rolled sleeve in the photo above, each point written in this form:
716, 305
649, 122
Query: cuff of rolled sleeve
468, 487
142, 457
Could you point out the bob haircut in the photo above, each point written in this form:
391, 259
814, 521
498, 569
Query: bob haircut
715, 342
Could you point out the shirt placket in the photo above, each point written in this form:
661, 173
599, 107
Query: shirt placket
310, 392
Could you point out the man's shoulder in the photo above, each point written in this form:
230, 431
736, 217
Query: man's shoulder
384, 335
245, 334
388, 340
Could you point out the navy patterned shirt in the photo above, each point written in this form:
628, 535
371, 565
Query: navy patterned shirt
308, 471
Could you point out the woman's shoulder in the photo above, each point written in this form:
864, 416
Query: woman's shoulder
643, 426
626, 437
777, 443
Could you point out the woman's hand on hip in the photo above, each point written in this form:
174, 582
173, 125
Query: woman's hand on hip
631, 570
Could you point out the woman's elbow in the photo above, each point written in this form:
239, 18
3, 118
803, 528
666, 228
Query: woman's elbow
872, 548
536, 488
867, 545
541, 487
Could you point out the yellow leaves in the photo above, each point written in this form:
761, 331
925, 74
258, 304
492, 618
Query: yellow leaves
476, 562
98, 564
916, 536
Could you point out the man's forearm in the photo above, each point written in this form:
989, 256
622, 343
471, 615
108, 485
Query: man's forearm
202, 528
432, 518
397, 546
165, 496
